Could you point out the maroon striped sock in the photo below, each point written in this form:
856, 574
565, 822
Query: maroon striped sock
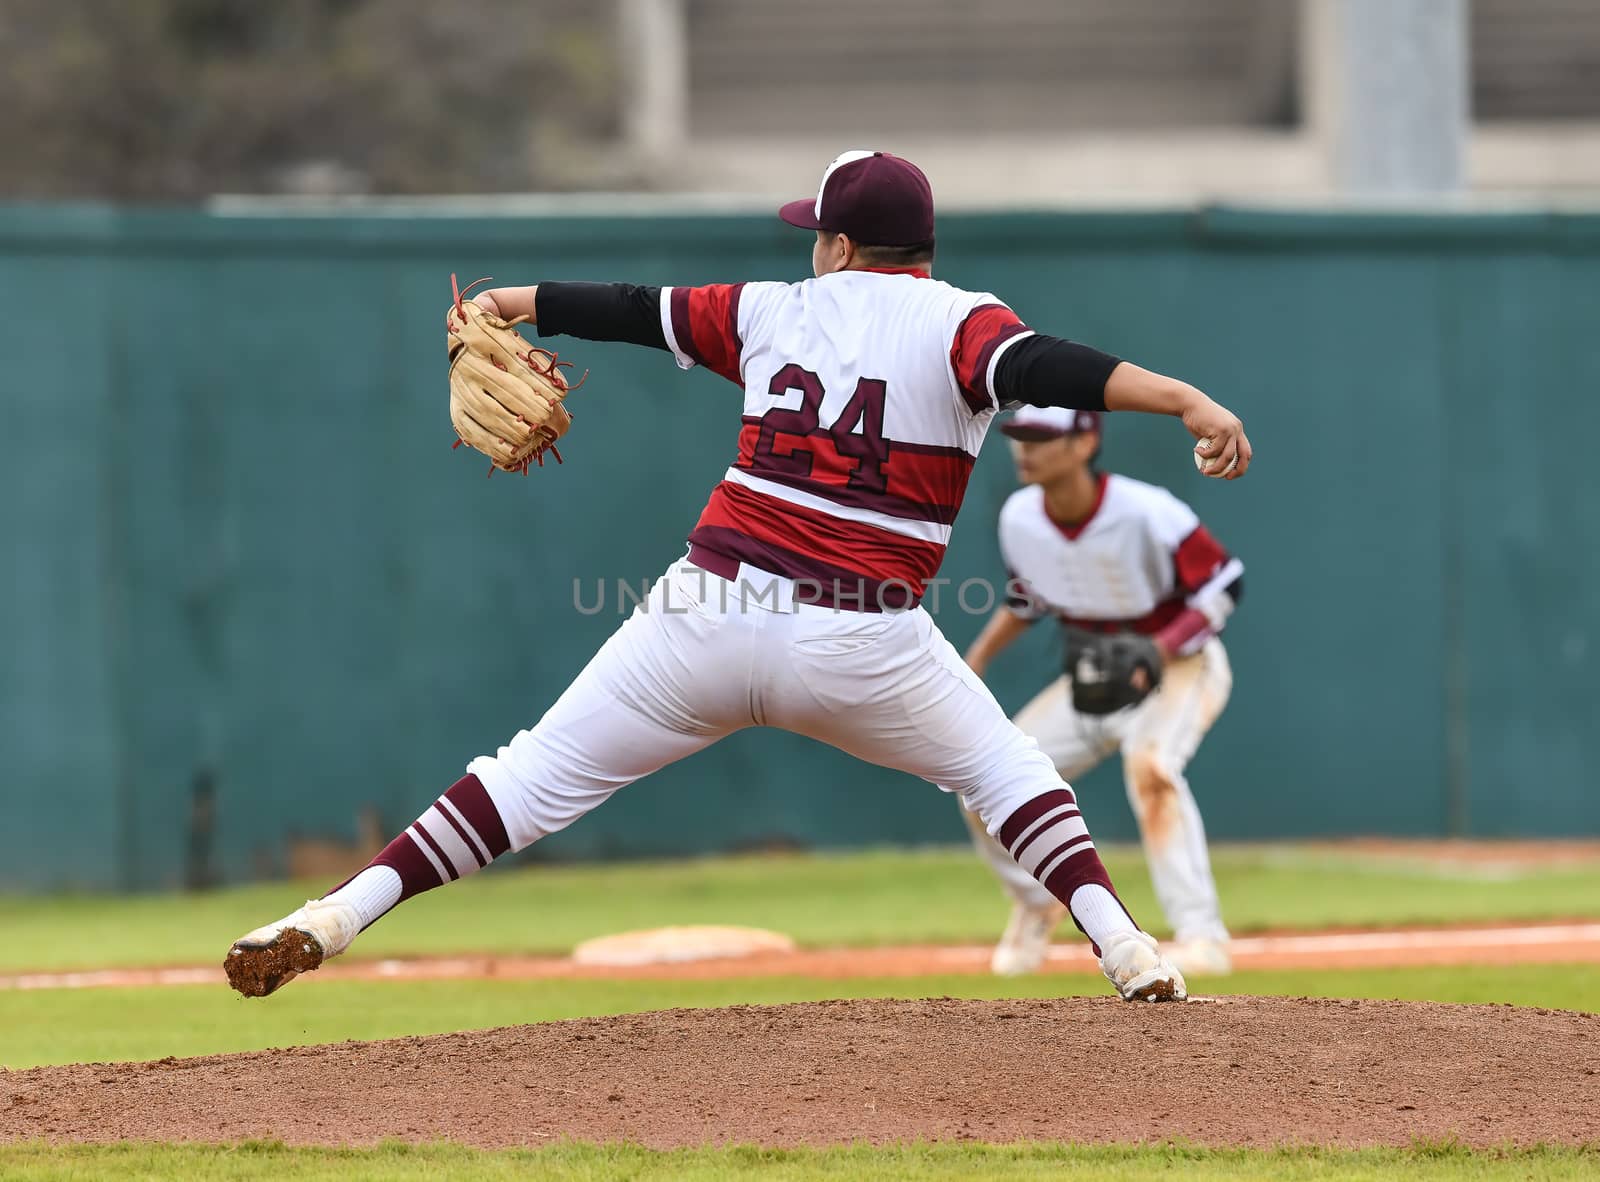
1048, 838
459, 834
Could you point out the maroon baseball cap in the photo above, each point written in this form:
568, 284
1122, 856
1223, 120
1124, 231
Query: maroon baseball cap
876, 198
1038, 423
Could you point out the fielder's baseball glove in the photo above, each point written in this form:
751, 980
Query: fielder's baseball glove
505, 393
1103, 668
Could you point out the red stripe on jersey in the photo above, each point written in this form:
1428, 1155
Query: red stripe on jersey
853, 547
1148, 624
923, 483
705, 321
1197, 558
985, 329
720, 551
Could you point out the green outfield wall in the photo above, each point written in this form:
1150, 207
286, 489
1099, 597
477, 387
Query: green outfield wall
251, 592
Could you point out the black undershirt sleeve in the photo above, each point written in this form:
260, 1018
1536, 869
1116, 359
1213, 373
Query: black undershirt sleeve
1048, 371
601, 312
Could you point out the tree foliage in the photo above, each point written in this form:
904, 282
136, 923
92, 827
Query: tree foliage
177, 99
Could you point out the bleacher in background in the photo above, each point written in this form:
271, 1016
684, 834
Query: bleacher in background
952, 65
1535, 59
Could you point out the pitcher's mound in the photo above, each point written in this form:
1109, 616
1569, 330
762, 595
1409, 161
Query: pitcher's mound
679, 945
1232, 1071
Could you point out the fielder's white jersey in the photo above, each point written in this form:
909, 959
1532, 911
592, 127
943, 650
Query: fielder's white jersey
1139, 560
867, 397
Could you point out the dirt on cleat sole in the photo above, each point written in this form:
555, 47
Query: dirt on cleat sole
256, 970
1163, 988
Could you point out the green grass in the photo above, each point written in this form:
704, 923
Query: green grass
1425, 1162
856, 899
871, 898
80, 1025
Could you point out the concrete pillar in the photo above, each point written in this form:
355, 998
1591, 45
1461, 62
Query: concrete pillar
1386, 90
655, 75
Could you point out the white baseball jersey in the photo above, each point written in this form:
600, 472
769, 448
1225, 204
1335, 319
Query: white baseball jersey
1138, 561
867, 397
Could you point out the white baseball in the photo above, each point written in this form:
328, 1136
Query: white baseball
1200, 461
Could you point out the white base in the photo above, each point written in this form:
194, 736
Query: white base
677, 945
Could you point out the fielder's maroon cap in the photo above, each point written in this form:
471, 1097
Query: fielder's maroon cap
874, 197
1038, 423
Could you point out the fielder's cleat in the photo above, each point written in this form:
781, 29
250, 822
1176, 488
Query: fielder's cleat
1133, 963
270, 957
1202, 957
1026, 940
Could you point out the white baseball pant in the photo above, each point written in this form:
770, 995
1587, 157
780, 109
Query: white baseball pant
705, 656
1157, 738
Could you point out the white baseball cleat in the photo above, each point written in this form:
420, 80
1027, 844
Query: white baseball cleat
1133, 963
1026, 940
272, 956
1202, 957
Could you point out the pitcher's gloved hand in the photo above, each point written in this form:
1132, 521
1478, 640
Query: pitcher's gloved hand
505, 392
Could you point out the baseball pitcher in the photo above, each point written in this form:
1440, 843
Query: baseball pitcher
1141, 590
867, 392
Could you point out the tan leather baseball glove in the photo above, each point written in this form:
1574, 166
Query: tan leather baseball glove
505, 393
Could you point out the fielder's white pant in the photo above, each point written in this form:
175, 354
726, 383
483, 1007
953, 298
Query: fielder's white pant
1157, 738
704, 657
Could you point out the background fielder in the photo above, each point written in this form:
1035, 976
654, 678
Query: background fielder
1104, 553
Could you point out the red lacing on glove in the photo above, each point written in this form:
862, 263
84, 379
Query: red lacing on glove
551, 371
458, 294
552, 368
536, 456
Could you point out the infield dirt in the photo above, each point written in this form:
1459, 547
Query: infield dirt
1225, 1071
